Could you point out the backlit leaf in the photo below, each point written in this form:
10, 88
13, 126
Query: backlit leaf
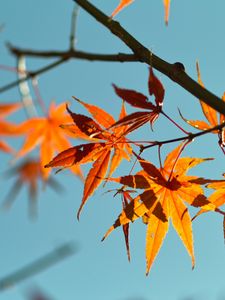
81, 153
134, 98
114, 144
122, 4
167, 10
28, 173
86, 125
7, 128
156, 88
100, 115
209, 112
94, 178
156, 232
166, 191
46, 133
182, 223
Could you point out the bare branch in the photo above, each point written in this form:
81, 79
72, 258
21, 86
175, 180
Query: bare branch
120, 57
73, 26
190, 137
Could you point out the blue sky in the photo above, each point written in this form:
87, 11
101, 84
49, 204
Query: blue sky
101, 270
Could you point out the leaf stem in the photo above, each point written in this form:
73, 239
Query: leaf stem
175, 162
159, 155
172, 121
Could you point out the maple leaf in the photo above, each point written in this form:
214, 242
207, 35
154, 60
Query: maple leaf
125, 198
217, 198
5, 147
166, 191
7, 128
28, 173
167, 10
211, 115
46, 132
105, 144
136, 99
122, 4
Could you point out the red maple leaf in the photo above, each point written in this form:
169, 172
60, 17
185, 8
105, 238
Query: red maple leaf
139, 100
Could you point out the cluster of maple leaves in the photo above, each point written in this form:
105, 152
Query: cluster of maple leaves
167, 190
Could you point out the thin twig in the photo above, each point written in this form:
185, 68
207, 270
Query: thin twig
176, 159
72, 53
190, 137
73, 27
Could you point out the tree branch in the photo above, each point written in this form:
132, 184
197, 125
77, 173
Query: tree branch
120, 57
73, 27
174, 71
189, 137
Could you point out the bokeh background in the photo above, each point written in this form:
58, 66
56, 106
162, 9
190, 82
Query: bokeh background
101, 270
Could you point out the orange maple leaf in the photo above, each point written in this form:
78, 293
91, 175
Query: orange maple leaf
104, 144
167, 10
28, 173
7, 128
122, 4
211, 115
217, 198
126, 199
136, 99
166, 191
46, 132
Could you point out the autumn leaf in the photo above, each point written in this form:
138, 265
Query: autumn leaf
106, 148
47, 133
7, 128
28, 174
122, 4
125, 199
217, 198
5, 147
211, 115
136, 99
166, 192
8, 108
167, 10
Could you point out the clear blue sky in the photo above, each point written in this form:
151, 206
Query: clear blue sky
100, 271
